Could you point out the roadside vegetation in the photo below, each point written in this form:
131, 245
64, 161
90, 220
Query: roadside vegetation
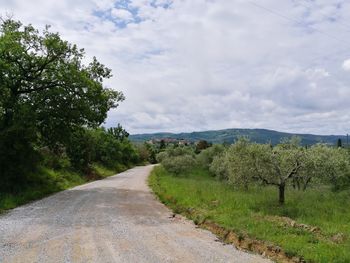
288, 202
52, 106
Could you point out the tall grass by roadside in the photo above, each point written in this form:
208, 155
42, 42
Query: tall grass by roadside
313, 224
48, 181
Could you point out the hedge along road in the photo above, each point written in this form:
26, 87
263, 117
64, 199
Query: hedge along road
116, 219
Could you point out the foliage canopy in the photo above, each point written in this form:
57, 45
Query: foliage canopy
47, 94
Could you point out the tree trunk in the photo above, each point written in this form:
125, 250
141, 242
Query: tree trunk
281, 189
306, 183
298, 183
8, 111
7, 118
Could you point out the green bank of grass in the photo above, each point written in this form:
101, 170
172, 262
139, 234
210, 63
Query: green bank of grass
252, 213
48, 181
103, 171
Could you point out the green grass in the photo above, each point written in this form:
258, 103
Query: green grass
103, 171
48, 181
250, 213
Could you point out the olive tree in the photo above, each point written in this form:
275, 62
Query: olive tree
206, 156
240, 166
278, 165
285, 164
328, 165
219, 167
248, 162
177, 160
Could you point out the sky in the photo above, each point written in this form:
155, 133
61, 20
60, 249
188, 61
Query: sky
194, 65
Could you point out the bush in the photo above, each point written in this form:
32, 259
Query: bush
152, 150
56, 161
234, 165
327, 165
18, 158
143, 153
206, 157
88, 146
177, 160
179, 151
162, 156
219, 166
179, 164
80, 150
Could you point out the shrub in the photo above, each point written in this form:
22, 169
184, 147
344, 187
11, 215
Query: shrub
142, 152
177, 160
327, 165
152, 149
18, 158
206, 157
57, 160
179, 151
88, 146
201, 145
162, 156
219, 166
179, 164
80, 150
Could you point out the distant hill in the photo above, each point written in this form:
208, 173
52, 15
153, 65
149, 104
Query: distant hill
230, 135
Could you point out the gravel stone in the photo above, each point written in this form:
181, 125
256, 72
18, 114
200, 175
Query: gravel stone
117, 219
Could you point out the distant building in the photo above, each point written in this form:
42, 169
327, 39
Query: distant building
169, 141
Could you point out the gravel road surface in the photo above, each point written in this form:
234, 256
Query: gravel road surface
113, 220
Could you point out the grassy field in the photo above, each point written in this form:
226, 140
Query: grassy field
314, 224
47, 181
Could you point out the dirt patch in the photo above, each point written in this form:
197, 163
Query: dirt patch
338, 238
316, 231
244, 242
286, 221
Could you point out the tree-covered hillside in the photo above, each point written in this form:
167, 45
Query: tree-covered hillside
230, 135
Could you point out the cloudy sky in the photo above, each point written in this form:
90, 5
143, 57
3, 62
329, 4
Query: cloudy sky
189, 65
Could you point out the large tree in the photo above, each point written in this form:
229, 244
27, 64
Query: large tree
43, 76
46, 91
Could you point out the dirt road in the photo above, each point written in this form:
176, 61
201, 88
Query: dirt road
113, 220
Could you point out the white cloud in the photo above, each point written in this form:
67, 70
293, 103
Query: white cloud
122, 14
346, 65
200, 64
